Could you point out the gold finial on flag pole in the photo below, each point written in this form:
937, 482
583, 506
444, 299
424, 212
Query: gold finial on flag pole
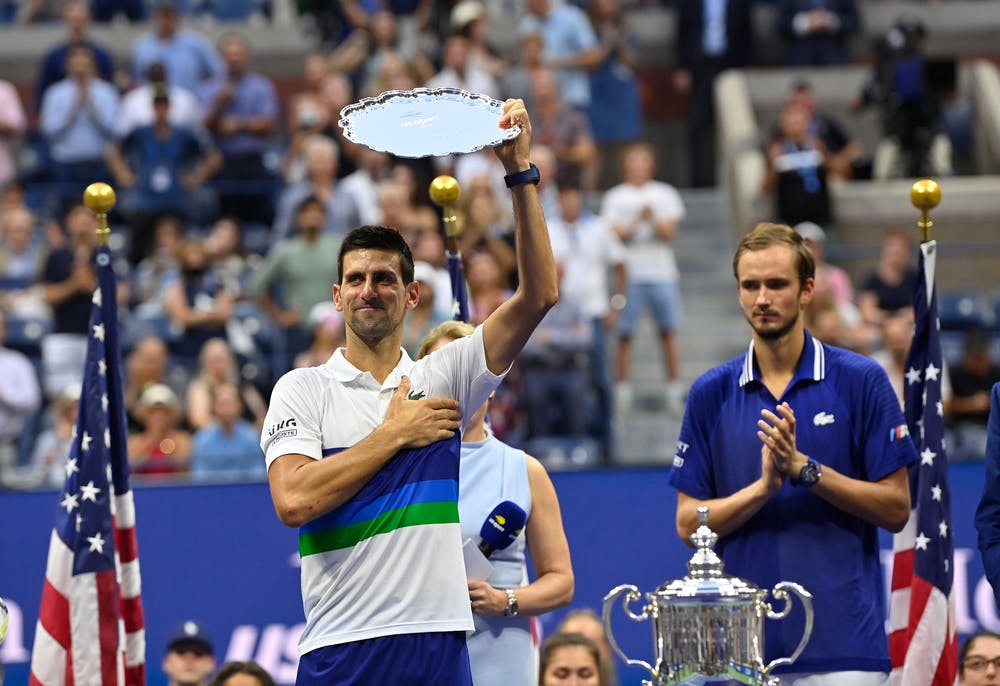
925, 195
444, 191
99, 199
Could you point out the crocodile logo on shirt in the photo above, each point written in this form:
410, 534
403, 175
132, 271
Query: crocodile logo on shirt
823, 419
415, 395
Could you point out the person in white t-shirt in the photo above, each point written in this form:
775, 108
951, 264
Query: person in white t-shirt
587, 249
645, 213
363, 456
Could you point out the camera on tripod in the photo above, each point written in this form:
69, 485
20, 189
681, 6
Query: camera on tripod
909, 88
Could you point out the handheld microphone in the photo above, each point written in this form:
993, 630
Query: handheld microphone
502, 527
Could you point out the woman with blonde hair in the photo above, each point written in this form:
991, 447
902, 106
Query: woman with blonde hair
502, 649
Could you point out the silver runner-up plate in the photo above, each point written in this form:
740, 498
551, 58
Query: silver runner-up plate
426, 122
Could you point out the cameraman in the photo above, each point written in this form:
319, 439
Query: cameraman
914, 142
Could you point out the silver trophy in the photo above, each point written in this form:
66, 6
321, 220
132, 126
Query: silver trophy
709, 627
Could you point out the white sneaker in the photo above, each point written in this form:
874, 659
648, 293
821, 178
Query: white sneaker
675, 399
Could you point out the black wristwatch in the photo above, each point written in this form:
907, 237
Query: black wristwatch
529, 175
809, 475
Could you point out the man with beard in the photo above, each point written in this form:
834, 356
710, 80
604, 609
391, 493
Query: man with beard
363, 456
800, 452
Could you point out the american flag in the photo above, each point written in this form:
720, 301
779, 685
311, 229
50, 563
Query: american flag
90, 626
923, 644
459, 298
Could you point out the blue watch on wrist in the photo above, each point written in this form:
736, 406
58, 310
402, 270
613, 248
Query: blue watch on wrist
809, 475
529, 175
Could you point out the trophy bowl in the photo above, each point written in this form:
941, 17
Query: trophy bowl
426, 122
708, 627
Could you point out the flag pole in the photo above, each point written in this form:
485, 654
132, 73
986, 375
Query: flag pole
444, 191
925, 195
99, 199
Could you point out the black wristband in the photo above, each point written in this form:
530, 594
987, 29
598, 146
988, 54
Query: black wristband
529, 175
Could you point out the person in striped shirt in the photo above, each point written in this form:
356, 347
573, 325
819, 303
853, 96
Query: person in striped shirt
363, 454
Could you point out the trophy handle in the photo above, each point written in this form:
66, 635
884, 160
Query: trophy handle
780, 592
632, 594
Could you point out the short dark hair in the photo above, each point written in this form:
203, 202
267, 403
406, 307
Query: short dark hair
564, 640
377, 238
967, 646
250, 668
311, 199
766, 234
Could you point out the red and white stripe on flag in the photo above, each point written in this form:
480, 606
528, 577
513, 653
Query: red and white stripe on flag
90, 628
922, 636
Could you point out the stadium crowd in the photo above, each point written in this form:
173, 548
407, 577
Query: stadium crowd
234, 195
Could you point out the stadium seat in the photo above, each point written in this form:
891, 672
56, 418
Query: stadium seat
565, 452
25, 334
964, 309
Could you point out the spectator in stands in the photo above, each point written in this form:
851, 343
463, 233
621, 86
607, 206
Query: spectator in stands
20, 399
554, 369
843, 155
586, 623
398, 212
429, 249
833, 287
161, 447
487, 287
516, 81
613, 80
587, 248
197, 302
340, 208
189, 58
565, 131
228, 447
230, 262
817, 31
486, 226
328, 335
307, 114
968, 408
710, 38
21, 254
470, 20
644, 214
979, 659
77, 120
241, 112
218, 367
889, 287
138, 104
146, 366
796, 173
897, 334
76, 18
411, 19
242, 674
425, 316
457, 71
362, 54
190, 658
303, 266
363, 184
571, 48
12, 127
163, 168
68, 281
154, 273
48, 457
570, 658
